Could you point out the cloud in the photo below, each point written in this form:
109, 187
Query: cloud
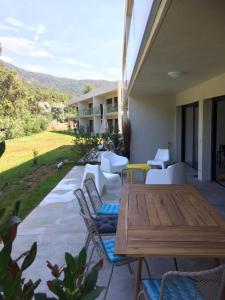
6, 58
57, 46
35, 68
23, 46
14, 22
39, 30
9, 28
114, 72
74, 62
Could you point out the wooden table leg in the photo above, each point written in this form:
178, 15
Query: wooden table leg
138, 276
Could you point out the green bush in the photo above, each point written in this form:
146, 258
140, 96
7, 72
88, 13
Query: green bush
11, 128
84, 143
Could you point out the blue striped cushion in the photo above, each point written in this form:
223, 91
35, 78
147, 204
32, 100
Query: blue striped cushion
152, 287
109, 246
109, 209
179, 288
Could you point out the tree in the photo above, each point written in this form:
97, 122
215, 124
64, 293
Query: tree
58, 112
26, 108
88, 88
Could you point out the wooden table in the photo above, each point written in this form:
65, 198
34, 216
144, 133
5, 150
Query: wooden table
167, 221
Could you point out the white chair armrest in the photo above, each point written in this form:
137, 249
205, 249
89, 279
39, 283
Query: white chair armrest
157, 177
105, 164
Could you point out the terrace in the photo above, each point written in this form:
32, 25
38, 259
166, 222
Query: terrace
175, 96
63, 230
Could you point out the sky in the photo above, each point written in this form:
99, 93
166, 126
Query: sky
80, 39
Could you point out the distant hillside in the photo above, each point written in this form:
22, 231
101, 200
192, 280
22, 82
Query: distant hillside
71, 86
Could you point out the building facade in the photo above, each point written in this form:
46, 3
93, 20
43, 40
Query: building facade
174, 82
99, 111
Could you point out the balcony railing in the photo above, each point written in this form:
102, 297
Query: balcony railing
85, 112
96, 111
89, 112
112, 108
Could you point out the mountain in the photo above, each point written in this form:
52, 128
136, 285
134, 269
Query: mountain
71, 86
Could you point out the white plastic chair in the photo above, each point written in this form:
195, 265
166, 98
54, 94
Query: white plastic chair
162, 156
100, 178
113, 163
174, 174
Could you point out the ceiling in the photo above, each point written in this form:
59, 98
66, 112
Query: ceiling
192, 40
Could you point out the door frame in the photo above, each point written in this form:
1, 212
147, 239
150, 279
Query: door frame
215, 102
183, 132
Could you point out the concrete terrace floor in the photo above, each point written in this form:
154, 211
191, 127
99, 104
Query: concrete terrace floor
57, 227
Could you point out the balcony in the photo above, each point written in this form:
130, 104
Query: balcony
85, 112
96, 111
110, 108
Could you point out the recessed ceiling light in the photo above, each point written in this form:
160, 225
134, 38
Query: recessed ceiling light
175, 74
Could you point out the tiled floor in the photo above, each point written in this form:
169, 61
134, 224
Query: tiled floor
57, 227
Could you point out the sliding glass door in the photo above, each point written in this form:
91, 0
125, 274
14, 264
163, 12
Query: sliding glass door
190, 134
218, 140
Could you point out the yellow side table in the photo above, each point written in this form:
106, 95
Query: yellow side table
139, 166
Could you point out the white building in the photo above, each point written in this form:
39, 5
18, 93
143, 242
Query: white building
174, 81
99, 110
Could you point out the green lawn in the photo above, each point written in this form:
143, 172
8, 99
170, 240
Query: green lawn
26, 181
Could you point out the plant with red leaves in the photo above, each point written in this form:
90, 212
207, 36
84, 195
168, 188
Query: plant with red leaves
77, 283
12, 282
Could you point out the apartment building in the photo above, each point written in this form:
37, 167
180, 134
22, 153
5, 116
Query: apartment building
100, 110
174, 81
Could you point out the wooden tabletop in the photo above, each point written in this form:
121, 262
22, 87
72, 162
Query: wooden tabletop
168, 220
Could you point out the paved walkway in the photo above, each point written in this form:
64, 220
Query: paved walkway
57, 227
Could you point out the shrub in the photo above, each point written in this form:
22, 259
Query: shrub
113, 140
11, 128
35, 125
77, 283
84, 143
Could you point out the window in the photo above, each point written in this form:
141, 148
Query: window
110, 125
90, 108
109, 101
91, 126
116, 125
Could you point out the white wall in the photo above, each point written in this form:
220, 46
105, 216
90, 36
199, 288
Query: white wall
152, 124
